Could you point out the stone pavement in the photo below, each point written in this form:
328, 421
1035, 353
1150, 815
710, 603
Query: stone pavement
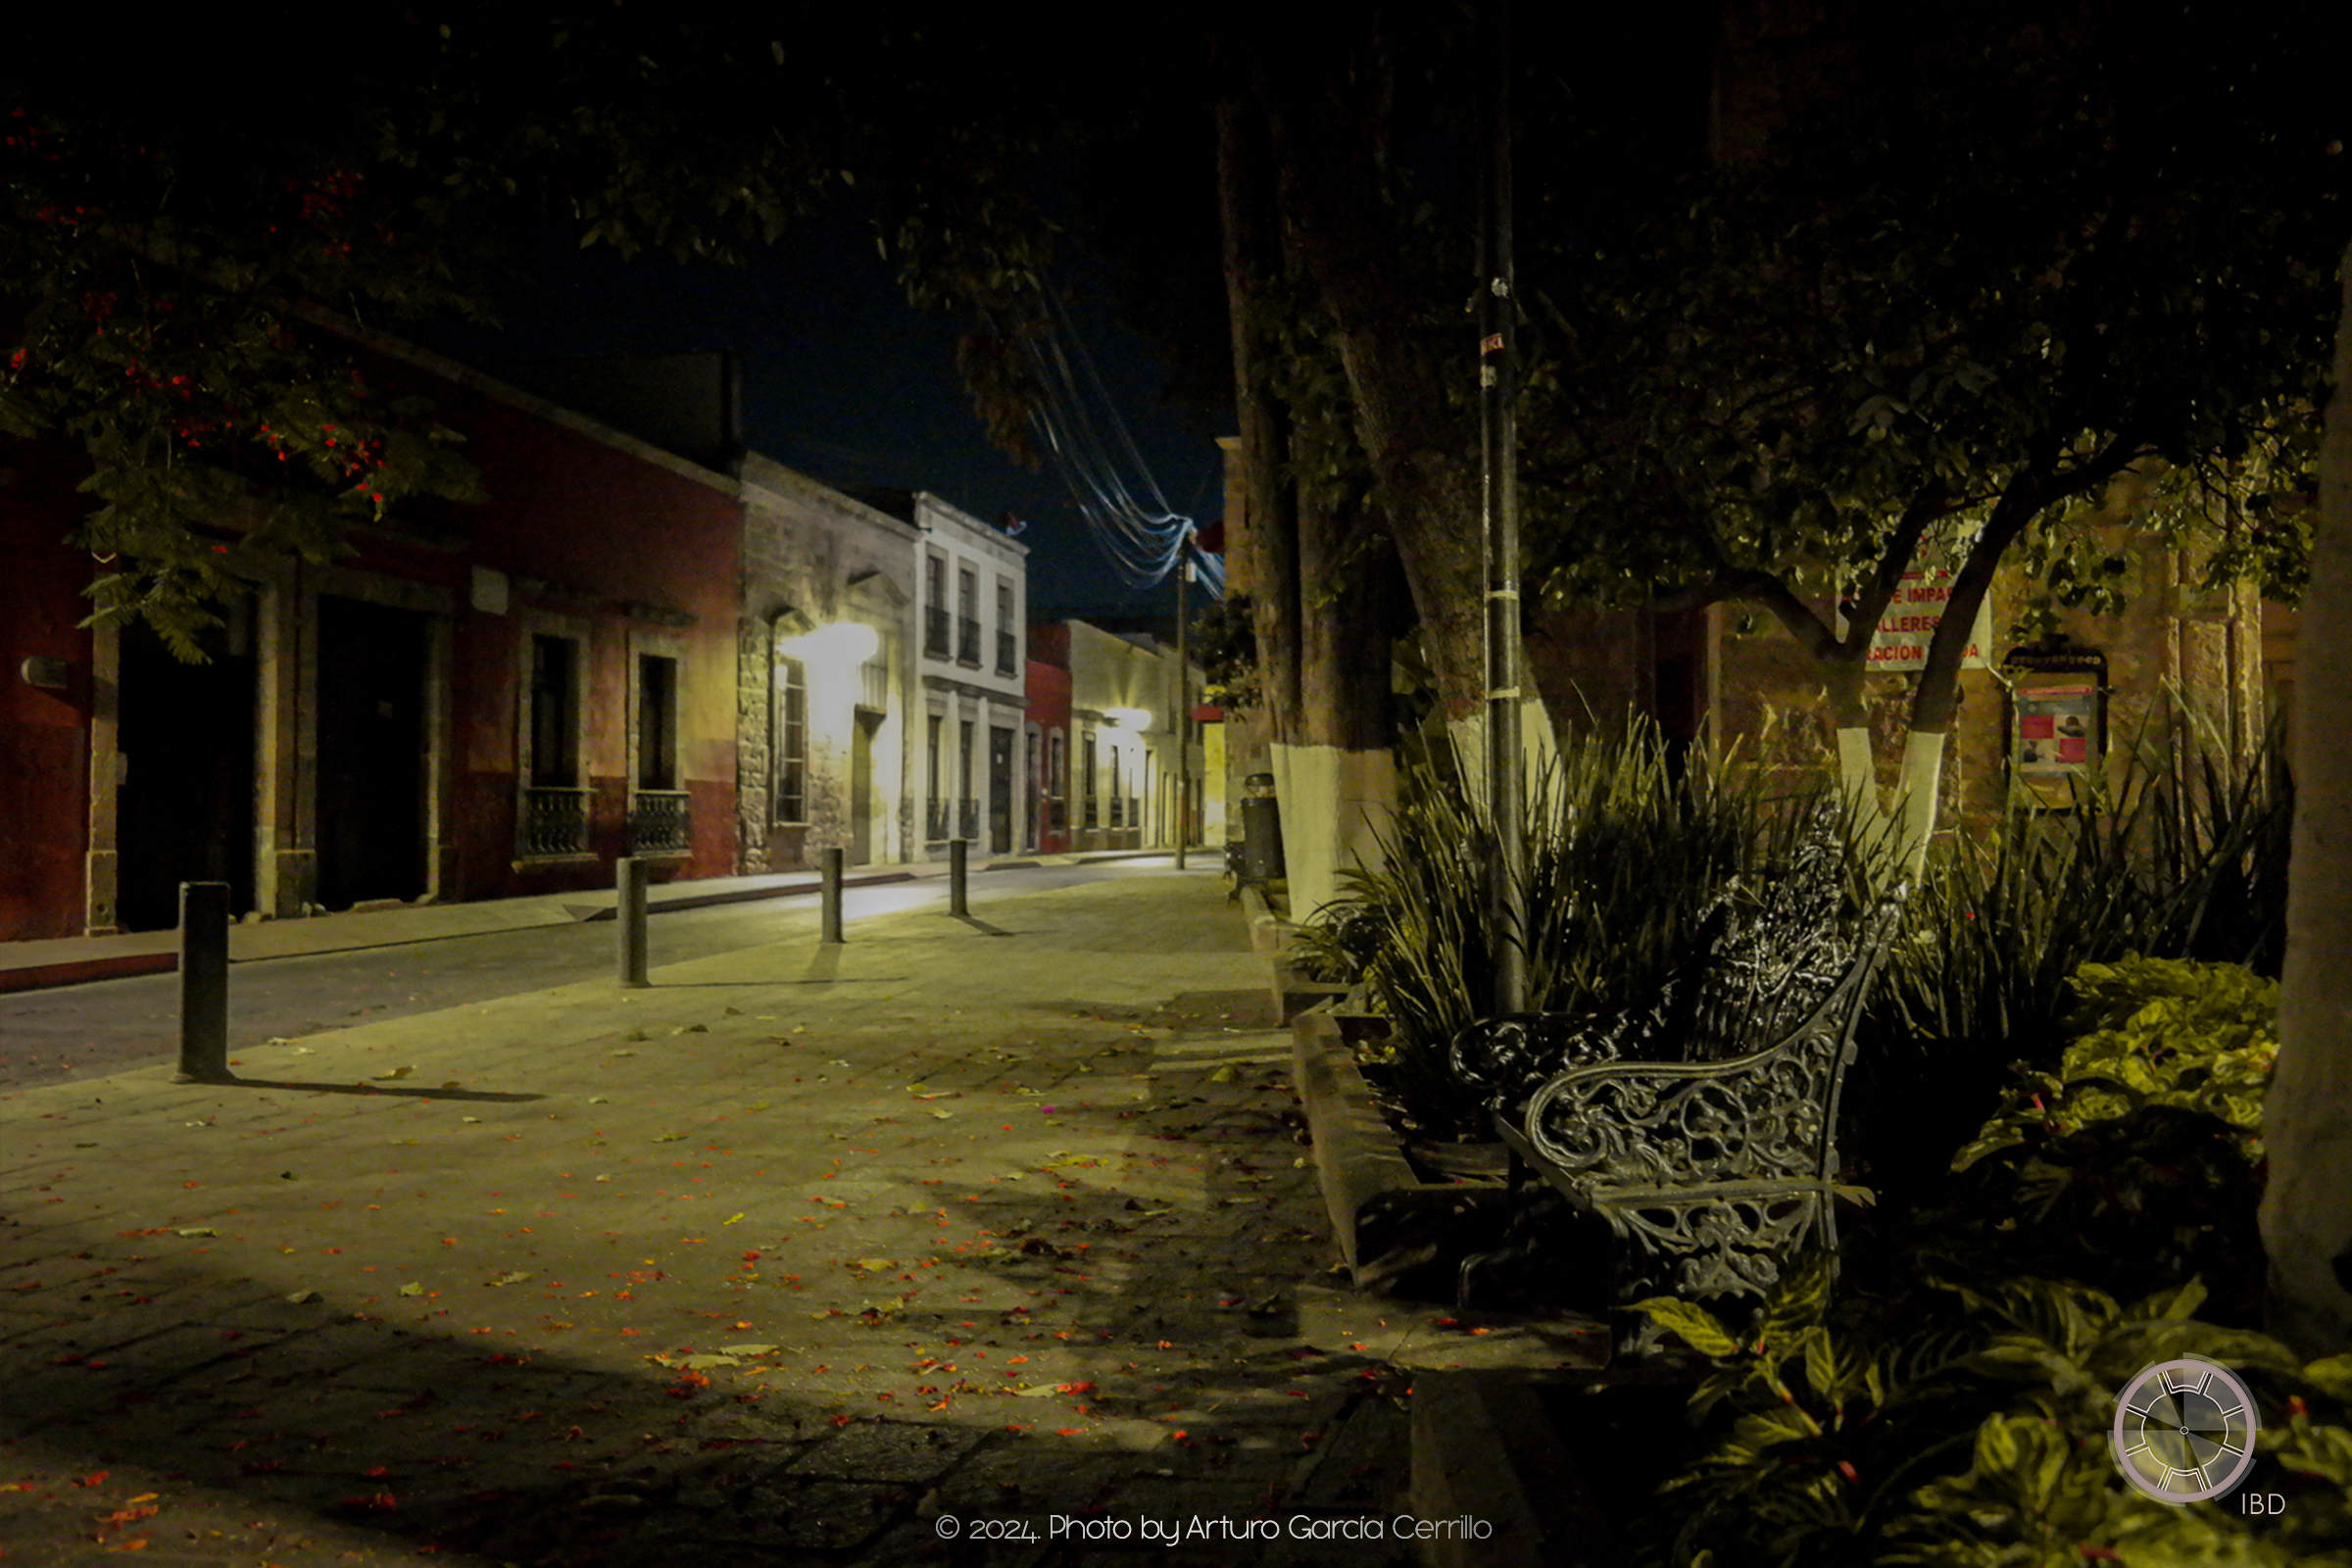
982, 1241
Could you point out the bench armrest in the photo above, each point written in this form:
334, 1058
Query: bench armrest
1640, 1124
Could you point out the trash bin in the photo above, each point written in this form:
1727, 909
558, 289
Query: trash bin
1261, 831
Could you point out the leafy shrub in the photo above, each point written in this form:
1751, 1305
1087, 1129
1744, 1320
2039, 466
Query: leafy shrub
1624, 852
2136, 1167
1976, 1434
2186, 859
2197, 1037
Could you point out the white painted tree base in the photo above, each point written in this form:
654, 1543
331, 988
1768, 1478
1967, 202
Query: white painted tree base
1539, 747
1906, 825
1334, 804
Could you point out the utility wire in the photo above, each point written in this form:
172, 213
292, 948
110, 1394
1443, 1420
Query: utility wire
1124, 508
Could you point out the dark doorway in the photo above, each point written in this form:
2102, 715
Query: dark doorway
1000, 791
185, 807
371, 768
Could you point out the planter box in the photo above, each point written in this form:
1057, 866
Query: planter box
1399, 1234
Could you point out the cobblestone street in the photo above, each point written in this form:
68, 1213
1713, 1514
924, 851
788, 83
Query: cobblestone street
924, 1247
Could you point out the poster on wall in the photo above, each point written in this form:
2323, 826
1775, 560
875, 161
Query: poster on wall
2057, 728
1898, 644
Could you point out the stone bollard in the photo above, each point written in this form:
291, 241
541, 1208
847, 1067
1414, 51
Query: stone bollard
203, 984
960, 864
628, 917
829, 896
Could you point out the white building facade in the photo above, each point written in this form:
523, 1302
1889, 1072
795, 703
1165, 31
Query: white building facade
971, 608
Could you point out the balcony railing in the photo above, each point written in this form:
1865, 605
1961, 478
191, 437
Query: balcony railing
554, 820
934, 822
967, 819
659, 823
1008, 648
935, 631
873, 688
968, 641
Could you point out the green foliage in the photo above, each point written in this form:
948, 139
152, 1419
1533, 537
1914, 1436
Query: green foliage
1624, 853
2187, 857
1224, 640
2148, 1032
191, 234
2137, 1165
1962, 1425
1972, 279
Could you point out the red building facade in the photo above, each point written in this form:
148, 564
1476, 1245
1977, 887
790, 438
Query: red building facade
497, 703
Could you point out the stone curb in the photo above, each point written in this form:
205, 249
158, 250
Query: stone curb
1356, 1158
157, 953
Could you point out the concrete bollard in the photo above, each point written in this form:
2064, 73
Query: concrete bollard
629, 916
960, 864
203, 984
829, 896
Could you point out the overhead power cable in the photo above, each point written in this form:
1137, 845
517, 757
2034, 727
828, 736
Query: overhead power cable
1097, 456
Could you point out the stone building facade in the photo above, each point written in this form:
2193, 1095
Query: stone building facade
825, 675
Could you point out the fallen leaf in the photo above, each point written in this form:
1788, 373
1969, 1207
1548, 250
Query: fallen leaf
667, 1137
696, 1364
470, 1119
692, 1029
303, 1297
599, 1099
395, 1072
413, 1288
747, 1349
515, 1278
198, 1230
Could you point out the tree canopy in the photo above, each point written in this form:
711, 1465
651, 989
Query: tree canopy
186, 227
2002, 258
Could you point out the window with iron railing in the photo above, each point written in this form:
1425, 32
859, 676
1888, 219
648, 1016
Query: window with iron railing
554, 820
1007, 654
552, 814
659, 822
934, 822
967, 819
1086, 781
935, 631
967, 640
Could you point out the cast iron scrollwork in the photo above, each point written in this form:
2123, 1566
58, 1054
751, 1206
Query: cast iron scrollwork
1704, 1135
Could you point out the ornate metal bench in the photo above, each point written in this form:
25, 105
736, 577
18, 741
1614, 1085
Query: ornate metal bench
1703, 1132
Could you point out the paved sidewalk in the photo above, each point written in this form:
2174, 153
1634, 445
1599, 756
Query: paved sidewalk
75, 961
842, 1255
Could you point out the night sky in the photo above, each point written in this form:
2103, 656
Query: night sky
846, 383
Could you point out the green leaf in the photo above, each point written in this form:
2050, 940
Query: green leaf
1698, 1327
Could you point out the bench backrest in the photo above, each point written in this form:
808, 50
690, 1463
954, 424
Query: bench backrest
1762, 974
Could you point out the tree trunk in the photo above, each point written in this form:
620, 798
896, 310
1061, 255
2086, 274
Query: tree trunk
1269, 537
1342, 767
2306, 1116
1422, 451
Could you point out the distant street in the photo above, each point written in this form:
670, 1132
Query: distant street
90, 1030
